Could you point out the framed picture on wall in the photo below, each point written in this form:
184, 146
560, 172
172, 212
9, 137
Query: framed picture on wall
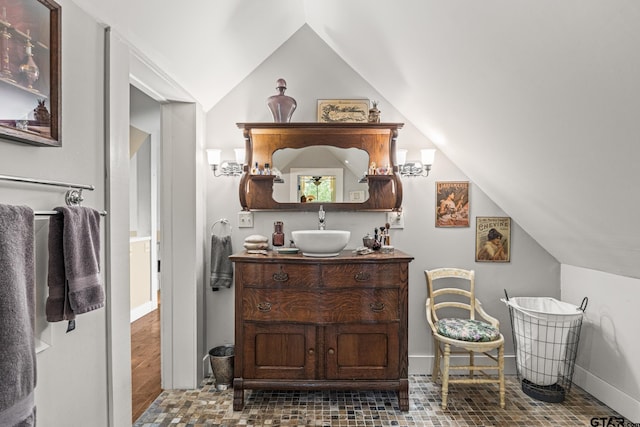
30, 71
493, 239
452, 204
356, 196
343, 110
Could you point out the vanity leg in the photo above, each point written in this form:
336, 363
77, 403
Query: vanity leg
238, 394
403, 395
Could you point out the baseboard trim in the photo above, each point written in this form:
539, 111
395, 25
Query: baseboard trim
142, 310
616, 399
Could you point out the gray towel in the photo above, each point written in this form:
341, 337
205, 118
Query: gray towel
17, 317
221, 265
74, 263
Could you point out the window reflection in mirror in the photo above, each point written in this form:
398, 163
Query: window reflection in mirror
316, 188
338, 173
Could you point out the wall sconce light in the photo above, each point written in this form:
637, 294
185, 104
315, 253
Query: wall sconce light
227, 167
414, 167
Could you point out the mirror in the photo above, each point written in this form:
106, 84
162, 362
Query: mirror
324, 162
321, 174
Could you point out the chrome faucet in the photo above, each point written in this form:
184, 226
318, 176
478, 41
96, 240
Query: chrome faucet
321, 220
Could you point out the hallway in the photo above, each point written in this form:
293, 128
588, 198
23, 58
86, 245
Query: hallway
145, 362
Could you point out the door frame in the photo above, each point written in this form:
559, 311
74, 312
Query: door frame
180, 357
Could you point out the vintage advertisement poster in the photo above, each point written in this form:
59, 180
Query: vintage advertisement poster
452, 204
493, 239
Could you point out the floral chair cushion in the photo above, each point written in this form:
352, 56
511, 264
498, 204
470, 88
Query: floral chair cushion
467, 330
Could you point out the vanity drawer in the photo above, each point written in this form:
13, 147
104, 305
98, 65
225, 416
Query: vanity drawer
345, 275
327, 306
279, 275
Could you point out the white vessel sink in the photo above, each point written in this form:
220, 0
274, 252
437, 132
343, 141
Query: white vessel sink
321, 243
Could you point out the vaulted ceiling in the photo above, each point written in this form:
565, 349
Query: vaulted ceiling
537, 101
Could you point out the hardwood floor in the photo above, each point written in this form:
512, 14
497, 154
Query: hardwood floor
145, 362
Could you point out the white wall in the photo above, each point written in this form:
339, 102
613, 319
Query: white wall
313, 71
607, 361
145, 115
72, 373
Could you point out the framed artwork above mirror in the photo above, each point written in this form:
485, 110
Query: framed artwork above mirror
344, 151
30, 71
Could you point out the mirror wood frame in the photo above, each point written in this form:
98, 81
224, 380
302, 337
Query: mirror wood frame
377, 139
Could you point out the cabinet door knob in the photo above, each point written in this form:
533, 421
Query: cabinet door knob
264, 307
280, 276
377, 306
362, 276
331, 351
311, 352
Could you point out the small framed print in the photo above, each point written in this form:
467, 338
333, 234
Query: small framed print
356, 196
452, 204
343, 110
493, 239
30, 42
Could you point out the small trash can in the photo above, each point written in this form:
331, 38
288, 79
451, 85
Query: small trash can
546, 332
221, 359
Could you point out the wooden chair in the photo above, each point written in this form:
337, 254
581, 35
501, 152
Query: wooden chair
465, 334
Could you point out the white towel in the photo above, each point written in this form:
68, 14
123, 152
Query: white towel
17, 317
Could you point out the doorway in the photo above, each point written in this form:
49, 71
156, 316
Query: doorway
144, 241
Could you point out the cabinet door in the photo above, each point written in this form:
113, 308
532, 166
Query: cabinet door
279, 351
362, 351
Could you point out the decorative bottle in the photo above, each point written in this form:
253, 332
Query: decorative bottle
5, 66
277, 239
29, 68
281, 105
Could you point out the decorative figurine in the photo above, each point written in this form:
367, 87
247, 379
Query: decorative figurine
41, 114
374, 113
372, 168
281, 105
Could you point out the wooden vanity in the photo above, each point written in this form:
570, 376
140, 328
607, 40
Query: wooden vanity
304, 323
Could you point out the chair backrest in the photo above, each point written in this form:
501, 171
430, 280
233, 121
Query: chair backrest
438, 298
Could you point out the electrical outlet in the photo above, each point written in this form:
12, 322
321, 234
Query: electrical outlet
395, 219
245, 219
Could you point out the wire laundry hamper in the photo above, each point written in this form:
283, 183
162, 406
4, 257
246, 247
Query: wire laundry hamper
546, 333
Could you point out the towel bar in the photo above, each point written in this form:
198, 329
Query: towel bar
46, 182
49, 213
73, 197
223, 222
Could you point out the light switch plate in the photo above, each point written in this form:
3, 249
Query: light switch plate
395, 219
245, 219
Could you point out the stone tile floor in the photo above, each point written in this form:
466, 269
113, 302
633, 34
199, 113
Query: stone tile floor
469, 405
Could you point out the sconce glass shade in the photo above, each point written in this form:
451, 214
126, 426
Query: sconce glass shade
414, 168
213, 156
401, 156
428, 155
226, 168
239, 155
